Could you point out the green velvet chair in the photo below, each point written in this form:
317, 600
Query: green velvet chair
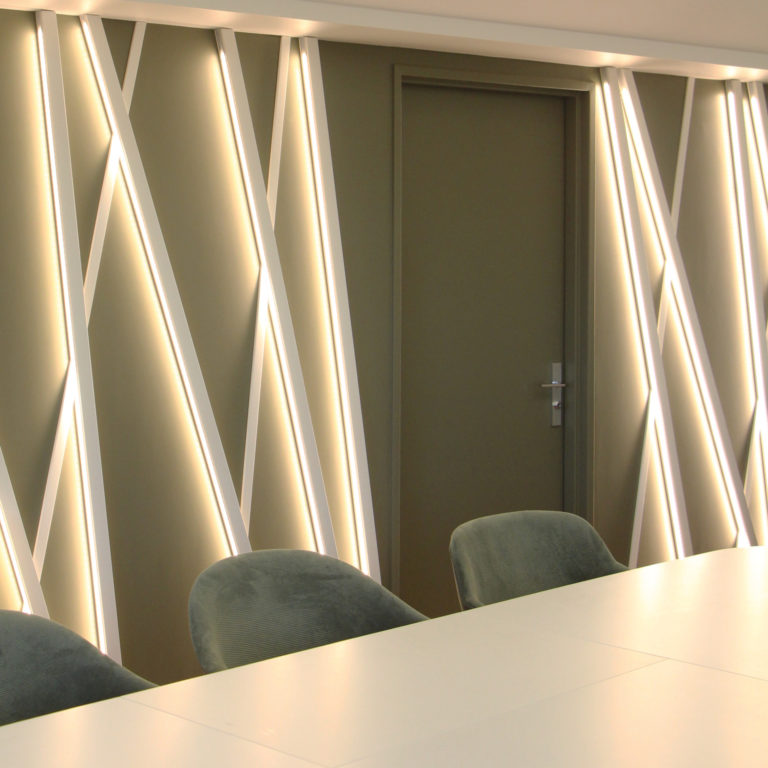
45, 667
268, 603
511, 554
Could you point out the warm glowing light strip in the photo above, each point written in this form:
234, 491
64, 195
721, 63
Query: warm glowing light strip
110, 175
642, 488
278, 120
165, 288
644, 310
682, 302
17, 547
743, 114
92, 482
272, 288
744, 209
254, 398
682, 151
338, 307
66, 412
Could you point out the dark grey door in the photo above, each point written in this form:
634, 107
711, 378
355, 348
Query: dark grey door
483, 220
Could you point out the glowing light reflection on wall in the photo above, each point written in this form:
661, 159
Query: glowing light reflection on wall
96, 53
47, 35
332, 299
658, 414
225, 40
736, 108
682, 303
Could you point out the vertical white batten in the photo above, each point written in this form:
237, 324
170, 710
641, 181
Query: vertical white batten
681, 301
341, 323
658, 397
97, 532
165, 288
272, 288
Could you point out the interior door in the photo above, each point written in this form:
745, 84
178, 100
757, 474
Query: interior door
482, 315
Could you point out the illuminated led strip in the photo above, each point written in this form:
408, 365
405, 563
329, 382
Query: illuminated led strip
91, 276
14, 540
338, 308
263, 291
685, 131
165, 287
92, 482
55, 466
278, 120
272, 295
110, 175
680, 300
735, 107
658, 411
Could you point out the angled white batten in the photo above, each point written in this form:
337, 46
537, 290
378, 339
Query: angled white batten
273, 301
165, 288
91, 276
110, 174
14, 539
659, 428
88, 452
680, 300
338, 307
736, 105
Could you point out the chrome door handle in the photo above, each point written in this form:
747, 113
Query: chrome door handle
556, 385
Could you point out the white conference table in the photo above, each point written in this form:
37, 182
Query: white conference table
662, 666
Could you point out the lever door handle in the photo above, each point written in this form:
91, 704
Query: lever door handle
556, 385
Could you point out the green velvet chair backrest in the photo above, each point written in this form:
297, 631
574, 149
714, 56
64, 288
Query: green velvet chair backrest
511, 554
45, 667
268, 603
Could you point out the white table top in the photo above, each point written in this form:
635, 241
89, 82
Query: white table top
664, 665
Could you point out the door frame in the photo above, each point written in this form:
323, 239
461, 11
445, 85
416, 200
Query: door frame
578, 434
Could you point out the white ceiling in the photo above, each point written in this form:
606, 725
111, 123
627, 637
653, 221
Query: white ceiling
706, 38
741, 25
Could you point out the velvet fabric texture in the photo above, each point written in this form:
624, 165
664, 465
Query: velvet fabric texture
45, 667
268, 603
515, 553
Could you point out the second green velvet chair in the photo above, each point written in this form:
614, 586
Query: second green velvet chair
511, 554
268, 603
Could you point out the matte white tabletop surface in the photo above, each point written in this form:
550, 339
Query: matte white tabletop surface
664, 665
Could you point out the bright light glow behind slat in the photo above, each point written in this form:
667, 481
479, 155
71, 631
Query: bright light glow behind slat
353, 480
680, 302
10, 549
268, 296
93, 559
648, 330
170, 325
738, 119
